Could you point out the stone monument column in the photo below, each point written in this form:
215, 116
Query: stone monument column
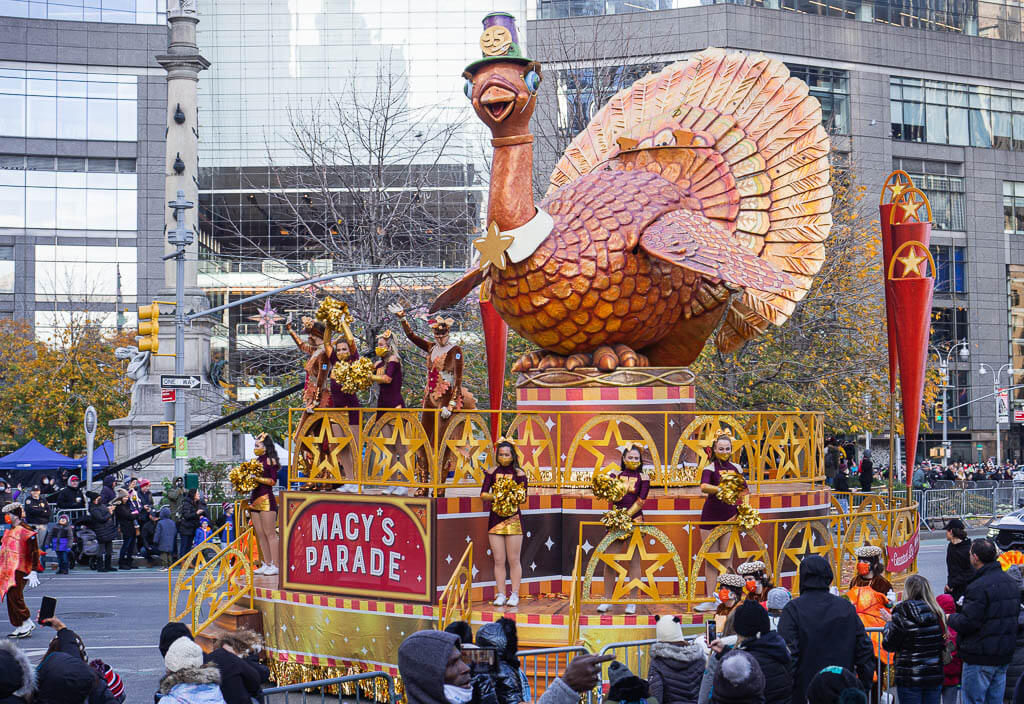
183, 63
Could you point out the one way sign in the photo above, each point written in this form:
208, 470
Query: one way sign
184, 381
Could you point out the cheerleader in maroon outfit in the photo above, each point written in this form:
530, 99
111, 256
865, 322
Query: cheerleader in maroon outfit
505, 533
638, 486
715, 511
263, 505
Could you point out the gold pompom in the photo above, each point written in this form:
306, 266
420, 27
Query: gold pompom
244, 476
508, 495
730, 487
353, 377
333, 313
607, 488
748, 516
618, 520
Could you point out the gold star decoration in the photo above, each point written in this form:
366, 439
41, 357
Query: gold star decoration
899, 183
911, 263
471, 452
623, 583
911, 210
326, 464
492, 247
405, 440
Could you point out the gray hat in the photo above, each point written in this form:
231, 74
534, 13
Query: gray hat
778, 598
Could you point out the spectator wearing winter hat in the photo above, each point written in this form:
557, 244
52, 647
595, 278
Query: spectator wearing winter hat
227, 517
145, 496
624, 686
676, 665
188, 680
202, 535
105, 527
754, 635
739, 680
38, 513
61, 540
17, 677
64, 671
836, 685
71, 496
777, 599
110, 678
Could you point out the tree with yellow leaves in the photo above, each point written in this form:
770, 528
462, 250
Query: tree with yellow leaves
45, 386
830, 356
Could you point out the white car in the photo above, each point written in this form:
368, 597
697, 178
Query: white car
1008, 531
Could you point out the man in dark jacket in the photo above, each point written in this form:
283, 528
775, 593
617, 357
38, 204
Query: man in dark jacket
38, 514
867, 471
986, 627
240, 676
755, 635
432, 669
821, 629
64, 674
107, 493
71, 496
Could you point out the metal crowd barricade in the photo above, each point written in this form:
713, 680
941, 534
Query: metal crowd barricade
979, 502
1003, 499
634, 654
332, 690
542, 665
939, 504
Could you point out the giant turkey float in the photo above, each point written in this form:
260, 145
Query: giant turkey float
692, 209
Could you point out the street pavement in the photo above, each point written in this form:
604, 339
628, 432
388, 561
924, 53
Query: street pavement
118, 615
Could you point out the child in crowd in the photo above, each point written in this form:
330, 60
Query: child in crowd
677, 666
203, 534
165, 537
61, 540
778, 597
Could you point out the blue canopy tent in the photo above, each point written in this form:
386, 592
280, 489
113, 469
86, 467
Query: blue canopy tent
28, 463
102, 457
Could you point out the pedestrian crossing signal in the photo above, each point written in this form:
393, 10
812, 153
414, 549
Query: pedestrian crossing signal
162, 434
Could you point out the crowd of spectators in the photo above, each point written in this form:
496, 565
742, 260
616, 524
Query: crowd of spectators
79, 527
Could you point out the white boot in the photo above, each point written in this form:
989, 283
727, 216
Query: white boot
499, 600
400, 491
603, 607
630, 609
513, 600
271, 570
23, 630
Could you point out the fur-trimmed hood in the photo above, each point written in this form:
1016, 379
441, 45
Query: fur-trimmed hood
17, 676
206, 674
685, 652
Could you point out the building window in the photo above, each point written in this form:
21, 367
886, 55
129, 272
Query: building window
582, 91
1015, 286
958, 399
65, 105
950, 268
85, 274
6, 269
956, 113
68, 195
121, 11
949, 326
943, 183
1013, 208
832, 89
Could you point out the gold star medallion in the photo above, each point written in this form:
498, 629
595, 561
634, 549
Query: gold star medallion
623, 583
911, 263
492, 247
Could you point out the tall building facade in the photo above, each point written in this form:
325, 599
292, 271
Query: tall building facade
82, 112
302, 102
933, 88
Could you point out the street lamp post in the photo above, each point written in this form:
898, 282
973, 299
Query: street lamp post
181, 237
944, 368
997, 395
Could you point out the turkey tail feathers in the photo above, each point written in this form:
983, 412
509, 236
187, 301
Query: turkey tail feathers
744, 140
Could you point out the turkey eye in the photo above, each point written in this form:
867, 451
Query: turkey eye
468, 89
532, 81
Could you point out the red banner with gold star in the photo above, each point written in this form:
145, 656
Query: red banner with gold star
909, 285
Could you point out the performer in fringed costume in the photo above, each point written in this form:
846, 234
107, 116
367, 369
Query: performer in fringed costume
444, 392
715, 511
19, 562
263, 505
730, 594
505, 487
757, 581
637, 485
872, 596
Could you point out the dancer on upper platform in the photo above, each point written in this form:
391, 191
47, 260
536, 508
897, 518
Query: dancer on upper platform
638, 486
715, 511
263, 505
386, 391
504, 529
444, 392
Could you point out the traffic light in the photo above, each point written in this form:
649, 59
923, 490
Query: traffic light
162, 434
149, 328
938, 412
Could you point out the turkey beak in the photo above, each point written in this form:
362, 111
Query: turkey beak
497, 101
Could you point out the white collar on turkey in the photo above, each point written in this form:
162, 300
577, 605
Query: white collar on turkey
526, 238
